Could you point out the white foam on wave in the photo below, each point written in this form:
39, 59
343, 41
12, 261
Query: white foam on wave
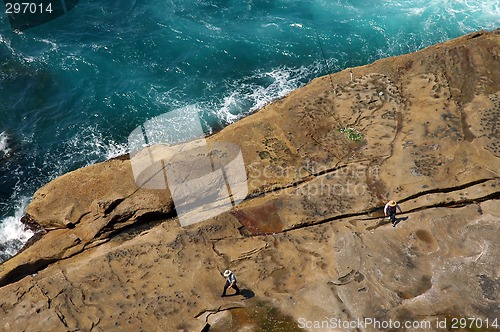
415, 11
53, 45
86, 147
230, 102
488, 12
251, 94
6, 42
404, 26
13, 234
469, 15
29, 49
211, 26
4, 144
91, 143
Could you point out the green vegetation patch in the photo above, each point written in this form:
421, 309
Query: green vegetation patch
259, 318
352, 134
264, 155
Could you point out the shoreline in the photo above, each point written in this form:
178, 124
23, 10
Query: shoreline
344, 74
307, 242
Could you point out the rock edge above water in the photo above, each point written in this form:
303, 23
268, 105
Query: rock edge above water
309, 240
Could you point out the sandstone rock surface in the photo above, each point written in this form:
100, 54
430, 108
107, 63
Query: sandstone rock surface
309, 243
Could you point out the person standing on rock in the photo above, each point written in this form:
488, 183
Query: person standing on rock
390, 211
230, 282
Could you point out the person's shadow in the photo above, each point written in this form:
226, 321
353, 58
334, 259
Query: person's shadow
386, 221
247, 294
398, 220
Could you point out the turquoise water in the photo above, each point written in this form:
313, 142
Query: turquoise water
73, 89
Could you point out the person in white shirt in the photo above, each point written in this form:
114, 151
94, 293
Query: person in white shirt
230, 282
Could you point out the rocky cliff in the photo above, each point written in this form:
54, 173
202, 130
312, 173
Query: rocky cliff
309, 244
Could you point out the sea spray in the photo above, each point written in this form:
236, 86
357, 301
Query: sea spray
4, 145
13, 234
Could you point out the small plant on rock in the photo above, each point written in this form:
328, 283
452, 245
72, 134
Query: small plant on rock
352, 134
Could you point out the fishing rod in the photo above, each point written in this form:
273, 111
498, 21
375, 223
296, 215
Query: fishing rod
325, 60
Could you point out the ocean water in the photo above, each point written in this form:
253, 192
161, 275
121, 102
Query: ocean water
72, 89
